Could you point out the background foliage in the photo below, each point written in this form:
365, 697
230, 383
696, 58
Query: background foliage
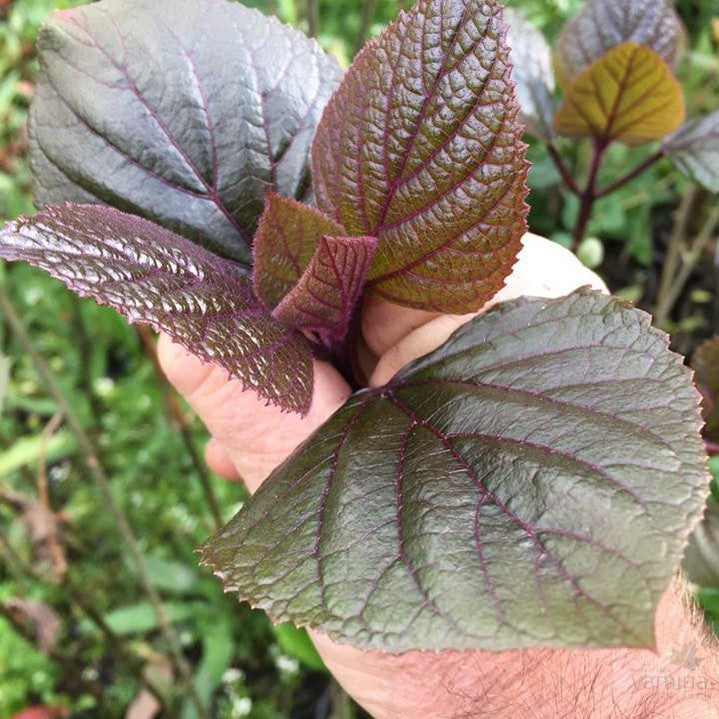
147, 443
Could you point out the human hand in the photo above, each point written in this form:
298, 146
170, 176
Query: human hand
251, 439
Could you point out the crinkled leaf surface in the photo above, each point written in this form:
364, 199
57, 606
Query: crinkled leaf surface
155, 276
325, 297
533, 74
420, 148
286, 239
181, 111
694, 148
629, 95
601, 25
530, 483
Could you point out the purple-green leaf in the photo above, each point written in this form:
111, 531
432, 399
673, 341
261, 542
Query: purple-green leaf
180, 111
532, 73
694, 149
324, 298
601, 25
154, 276
287, 238
420, 147
530, 483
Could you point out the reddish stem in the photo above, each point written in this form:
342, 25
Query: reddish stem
589, 195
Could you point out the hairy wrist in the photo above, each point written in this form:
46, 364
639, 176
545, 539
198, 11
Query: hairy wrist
680, 678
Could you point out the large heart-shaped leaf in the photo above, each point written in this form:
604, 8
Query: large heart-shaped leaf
152, 275
601, 25
533, 74
181, 111
530, 483
694, 148
420, 148
628, 95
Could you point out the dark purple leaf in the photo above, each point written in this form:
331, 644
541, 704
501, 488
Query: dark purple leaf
181, 111
420, 148
286, 239
530, 483
601, 25
324, 298
155, 276
694, 148
532, 73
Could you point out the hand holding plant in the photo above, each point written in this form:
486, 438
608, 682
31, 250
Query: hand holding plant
254, 438
529, 483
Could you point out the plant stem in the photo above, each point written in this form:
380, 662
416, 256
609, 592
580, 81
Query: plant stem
368, 7
588, 195
632, 174
79, 597
180, 420
689, 260
102, 482
675, 247
569, 181
313, 18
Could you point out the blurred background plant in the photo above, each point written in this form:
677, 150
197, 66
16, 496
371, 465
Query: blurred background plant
98, 458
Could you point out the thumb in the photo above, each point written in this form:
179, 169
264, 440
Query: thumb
253, 435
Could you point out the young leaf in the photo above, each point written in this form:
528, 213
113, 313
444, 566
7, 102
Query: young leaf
420, 148
287, 237
328, 291
629, 95
181, 111
601, 25
533, 74
532, 482
694, 148
152, 275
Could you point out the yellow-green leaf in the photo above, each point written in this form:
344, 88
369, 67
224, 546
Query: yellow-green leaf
629, 95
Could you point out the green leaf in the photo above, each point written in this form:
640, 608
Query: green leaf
217, 652
628, 95
295, 642
140, 618
181, 111
27, 451
4, 379
694, 149
533, 74
601, 25
530, 483
420, 148
154, 276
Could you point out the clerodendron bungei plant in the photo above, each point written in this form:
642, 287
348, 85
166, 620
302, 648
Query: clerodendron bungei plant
531, 482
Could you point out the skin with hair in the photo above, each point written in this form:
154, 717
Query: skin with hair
249, 439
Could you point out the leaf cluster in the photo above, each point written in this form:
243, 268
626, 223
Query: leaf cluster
244, 197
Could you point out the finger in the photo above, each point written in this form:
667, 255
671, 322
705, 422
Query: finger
218, 461
255, 436
543, 269
384, 324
